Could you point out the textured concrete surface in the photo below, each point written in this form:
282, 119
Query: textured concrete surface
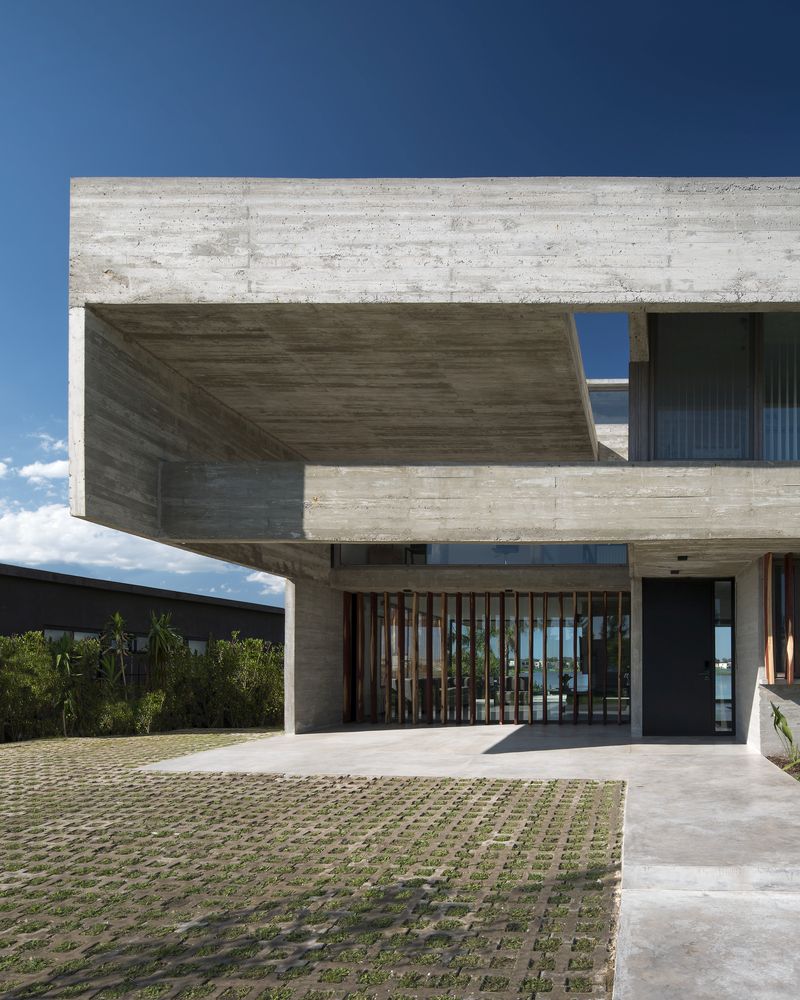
711, 881
312, 657
550, 240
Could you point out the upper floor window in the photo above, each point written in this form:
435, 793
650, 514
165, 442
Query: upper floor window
725, 386
781, 396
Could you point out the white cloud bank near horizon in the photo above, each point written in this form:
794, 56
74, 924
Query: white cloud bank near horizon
48, 534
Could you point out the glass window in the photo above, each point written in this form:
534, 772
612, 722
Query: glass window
485, 555
703, 386
197, 645
609, 406
781, 421
723, 656
56, 634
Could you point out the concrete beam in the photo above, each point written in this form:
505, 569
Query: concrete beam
582, 241
615, 502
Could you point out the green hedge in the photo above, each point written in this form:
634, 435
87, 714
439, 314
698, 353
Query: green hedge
51, 689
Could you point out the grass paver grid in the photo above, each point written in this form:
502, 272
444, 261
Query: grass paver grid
120, 883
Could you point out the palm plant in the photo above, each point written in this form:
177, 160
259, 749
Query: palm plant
115, 652
66, 698
162, 641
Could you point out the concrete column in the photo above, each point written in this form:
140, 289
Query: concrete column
313, 657
636, 656
749, 653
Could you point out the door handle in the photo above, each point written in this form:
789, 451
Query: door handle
705, 673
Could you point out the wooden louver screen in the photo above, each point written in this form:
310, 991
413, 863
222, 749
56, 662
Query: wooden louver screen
487, 657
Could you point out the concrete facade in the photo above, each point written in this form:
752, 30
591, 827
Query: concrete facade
262, 369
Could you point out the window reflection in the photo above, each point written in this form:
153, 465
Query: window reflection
723, 656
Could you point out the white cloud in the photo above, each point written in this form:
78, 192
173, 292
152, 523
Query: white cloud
3, 469
48, 443
271, 586
49, 535
39, 473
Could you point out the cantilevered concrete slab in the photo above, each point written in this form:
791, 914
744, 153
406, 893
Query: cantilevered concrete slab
354, 382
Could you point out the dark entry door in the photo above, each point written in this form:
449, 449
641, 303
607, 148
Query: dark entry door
678, 657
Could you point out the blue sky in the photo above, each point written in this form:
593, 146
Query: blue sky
345, 88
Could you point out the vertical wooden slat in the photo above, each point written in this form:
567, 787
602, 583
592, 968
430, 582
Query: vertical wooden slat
387, 645
487, 639
619, 658
516, 658
401, 659
605, 657
347, 657
769, 642
575, 715
544, 658
472, 630
429, 659
445, 664
788, 587
459, 651
415, 658
373, 657
532, 632
560, 657
502, 651
589, 704
359, 657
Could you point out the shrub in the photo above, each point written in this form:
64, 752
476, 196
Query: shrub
236, 682
75, 688
29, 687
147, 711
115, 719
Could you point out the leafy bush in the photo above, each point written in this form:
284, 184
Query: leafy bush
235, 683
115, 719
29, 687
76, 687
147, 711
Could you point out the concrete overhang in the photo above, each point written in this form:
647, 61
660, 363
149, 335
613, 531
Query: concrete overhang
365, 382
419, 321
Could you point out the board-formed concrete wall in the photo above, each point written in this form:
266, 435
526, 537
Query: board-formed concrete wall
608, 502
313, 665
575, 240
749, 653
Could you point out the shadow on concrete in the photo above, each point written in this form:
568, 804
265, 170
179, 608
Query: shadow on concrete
530, 739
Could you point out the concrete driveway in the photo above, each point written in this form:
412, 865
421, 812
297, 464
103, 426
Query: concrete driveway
711, 850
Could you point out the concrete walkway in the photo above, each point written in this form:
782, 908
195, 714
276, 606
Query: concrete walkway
711, 852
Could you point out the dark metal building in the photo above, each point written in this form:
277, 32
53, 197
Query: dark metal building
57, 603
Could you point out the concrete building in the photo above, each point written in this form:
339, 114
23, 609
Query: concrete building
375, 389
